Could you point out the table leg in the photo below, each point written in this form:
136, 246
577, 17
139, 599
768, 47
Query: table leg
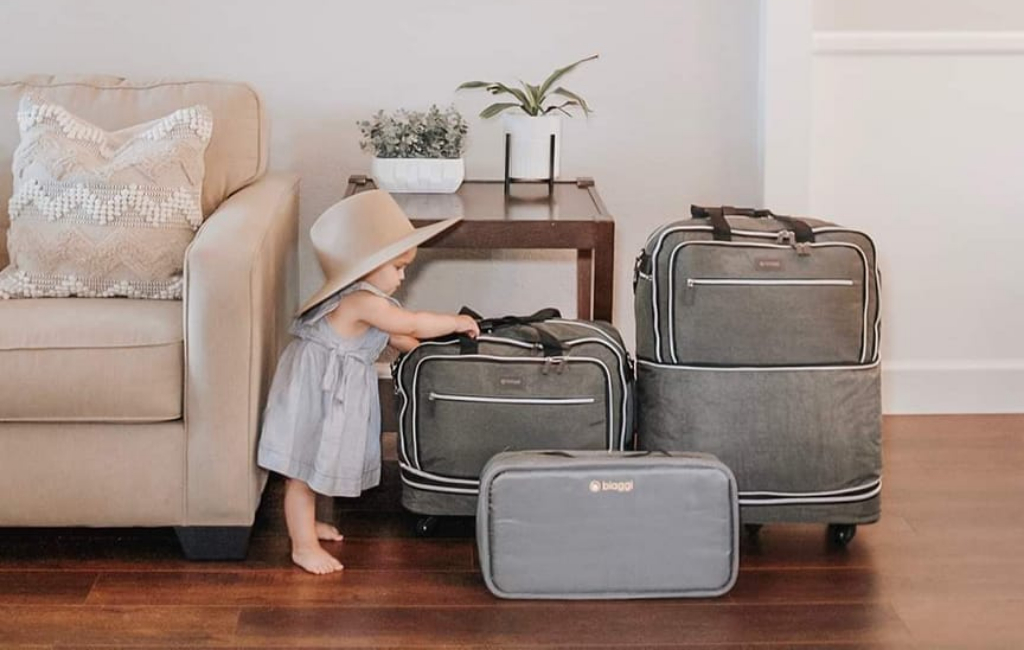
584, 282
604, 271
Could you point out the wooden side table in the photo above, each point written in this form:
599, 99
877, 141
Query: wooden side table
571, 216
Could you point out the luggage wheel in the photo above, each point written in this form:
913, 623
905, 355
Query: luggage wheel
425, 526
841, 534
752, 530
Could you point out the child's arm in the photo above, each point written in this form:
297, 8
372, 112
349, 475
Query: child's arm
403, 343
386, 316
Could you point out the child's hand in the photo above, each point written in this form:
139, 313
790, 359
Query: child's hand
467, 325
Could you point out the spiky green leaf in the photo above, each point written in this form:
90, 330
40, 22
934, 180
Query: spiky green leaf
500, 88
561, 72
573, 96
561, 107
494, 109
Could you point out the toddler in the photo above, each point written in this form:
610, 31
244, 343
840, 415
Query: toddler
321, 427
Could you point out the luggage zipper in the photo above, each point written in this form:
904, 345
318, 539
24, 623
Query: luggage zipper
788, 238
740, 282
484, 399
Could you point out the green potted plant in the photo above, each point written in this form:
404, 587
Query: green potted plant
416, 151
531, 117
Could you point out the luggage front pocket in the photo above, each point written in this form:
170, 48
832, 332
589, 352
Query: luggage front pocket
768, 321
472, 408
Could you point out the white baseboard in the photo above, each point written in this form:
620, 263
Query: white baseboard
953, 387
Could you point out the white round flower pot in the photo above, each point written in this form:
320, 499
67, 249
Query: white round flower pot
420, 175
530, 144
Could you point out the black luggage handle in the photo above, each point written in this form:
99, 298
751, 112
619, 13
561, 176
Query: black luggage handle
547, 341
722, 231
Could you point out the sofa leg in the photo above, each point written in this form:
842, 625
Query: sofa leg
214, 542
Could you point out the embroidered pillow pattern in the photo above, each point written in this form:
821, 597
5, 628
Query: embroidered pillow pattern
103, 214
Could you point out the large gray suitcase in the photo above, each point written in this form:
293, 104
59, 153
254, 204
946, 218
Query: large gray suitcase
538, 382
757, 341
586, 525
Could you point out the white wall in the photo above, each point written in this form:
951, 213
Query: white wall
917, 136
674, 93
917, 141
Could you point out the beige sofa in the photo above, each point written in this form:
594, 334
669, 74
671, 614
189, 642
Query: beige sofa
118, 412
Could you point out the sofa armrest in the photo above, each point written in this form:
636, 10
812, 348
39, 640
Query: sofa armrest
240, 295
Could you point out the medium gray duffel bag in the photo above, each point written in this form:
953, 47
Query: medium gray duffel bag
588, 525
741, 287
534, 382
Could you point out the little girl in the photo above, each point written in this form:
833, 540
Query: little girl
321, 427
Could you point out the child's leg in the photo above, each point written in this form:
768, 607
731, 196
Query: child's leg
300, 515
324, 514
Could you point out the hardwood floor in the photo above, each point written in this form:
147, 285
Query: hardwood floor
942, 569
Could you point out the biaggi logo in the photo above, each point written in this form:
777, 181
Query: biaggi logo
611, 486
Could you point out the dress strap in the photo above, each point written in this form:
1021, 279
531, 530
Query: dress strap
362, 285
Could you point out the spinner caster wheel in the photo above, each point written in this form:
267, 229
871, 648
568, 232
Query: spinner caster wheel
841, 534
425, 526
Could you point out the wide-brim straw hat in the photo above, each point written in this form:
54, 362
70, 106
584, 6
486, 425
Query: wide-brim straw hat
358, 234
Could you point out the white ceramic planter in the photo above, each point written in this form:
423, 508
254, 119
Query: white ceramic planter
531, 144
419, 175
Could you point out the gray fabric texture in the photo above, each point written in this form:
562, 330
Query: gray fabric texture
322, 421
444, 504
457, 410
588, 525
754, 300
790, 431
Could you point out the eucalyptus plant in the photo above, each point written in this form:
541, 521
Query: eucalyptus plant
415, 134
530, 98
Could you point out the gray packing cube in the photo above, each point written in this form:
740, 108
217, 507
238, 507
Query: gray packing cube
461, 402
592, 525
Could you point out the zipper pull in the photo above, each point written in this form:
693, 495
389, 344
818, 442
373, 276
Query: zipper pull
786, 237
556, 363
803, 249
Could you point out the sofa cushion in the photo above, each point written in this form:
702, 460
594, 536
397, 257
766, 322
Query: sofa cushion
103, 214
237, 154
91, 360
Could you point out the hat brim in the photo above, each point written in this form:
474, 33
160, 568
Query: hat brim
412, 240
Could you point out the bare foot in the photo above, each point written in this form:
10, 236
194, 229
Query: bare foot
315, 560
328, 533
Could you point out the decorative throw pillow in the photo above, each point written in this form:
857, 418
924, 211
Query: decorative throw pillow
101, 214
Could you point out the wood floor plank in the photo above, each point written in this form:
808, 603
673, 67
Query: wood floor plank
351, 587
948, 620
44, 587
611, 624
265, 553
189, 627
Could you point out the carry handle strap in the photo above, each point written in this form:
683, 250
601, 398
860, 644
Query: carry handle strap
549, 343
722, 231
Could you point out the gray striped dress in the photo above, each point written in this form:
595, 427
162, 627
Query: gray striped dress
322, 421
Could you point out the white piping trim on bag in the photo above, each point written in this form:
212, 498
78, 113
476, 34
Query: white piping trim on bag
668, 229
414, 458
698, 242
825, 499
675, 366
